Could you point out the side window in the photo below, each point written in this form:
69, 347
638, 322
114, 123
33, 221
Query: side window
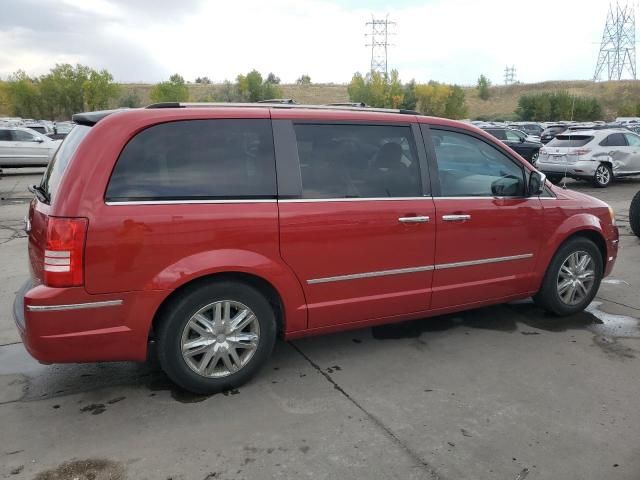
469, 167
357, 161
633, 140
499, 134
5, 135
512, 136
197, 159
20, 136
614, 140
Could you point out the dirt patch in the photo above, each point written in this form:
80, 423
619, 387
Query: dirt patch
90, 469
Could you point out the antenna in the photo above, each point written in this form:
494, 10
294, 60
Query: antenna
509, 75
379, 38
618, 47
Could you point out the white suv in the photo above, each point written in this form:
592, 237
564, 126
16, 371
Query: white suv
23, 147
597, 155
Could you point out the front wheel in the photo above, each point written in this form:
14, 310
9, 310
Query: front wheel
534, 157
572, 278
603, 176
634, 214
216, 336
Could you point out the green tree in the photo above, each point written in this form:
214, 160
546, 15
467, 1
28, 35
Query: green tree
409, 96
23, 95
304, 80
62, 90
174, 90
203, 80
558, 106
229, 92
99, 90
455, 107
377, 89
483, 87
432, 98
130, 99
253, 88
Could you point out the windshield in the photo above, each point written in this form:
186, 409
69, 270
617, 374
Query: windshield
57, 166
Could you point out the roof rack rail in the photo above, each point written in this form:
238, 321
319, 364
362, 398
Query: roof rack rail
280, 101
347, 104
282, 105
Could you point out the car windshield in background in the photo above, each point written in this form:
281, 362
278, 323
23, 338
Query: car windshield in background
570, 141
57, 166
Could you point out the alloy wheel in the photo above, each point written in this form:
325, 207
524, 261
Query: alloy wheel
576, 278
603, 176
220, 339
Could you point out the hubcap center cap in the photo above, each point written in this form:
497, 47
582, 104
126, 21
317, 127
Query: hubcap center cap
221, 338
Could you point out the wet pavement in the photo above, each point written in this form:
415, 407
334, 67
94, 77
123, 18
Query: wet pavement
499, 392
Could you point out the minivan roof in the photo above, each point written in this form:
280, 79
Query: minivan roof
91, 118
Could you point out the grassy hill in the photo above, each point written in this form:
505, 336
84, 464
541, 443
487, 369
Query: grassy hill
501, 104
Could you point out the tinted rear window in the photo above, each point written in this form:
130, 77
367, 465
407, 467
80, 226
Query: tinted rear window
197, 159
570, 141
57, 166
554, 130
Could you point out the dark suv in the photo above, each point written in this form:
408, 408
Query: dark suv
551, 132
212, 230
518, 141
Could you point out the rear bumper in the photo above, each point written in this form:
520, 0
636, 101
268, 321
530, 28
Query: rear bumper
586, 169
67, 325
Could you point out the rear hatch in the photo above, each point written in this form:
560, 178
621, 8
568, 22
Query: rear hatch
39, 224
566, 148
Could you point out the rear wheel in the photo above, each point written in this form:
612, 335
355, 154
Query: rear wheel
603, 176
634, 214
572, 278
216, 336
534, 157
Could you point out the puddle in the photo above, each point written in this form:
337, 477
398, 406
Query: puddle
610, 325
91, 469
512, 317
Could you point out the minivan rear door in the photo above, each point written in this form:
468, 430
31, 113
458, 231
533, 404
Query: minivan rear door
356, 217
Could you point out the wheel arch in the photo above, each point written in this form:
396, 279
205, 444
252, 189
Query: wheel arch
259, 283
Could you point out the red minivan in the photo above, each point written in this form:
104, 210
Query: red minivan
213, 229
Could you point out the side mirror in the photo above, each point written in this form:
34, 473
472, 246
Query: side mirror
523, 139
38, 139
536, 183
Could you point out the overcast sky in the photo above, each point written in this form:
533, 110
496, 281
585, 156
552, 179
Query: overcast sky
446, 40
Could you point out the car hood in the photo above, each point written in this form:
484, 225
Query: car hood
583, 198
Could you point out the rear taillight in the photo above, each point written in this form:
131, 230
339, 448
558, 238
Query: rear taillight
64, 252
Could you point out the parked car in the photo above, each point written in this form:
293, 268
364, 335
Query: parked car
530, 128
596, 155
551, 131
41, 128
23, 147
634, 214
528, 148
166, 224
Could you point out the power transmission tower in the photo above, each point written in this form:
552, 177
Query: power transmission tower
379, 43
509, 75
618, 47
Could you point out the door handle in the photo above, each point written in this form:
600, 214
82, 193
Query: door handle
413, 219
456, 218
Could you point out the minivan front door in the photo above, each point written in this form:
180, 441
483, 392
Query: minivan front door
361, 234
489, 232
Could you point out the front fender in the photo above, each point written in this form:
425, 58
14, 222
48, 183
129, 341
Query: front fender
277, 273
569, 226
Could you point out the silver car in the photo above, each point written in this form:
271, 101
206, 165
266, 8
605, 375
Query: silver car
596, 155
23, 147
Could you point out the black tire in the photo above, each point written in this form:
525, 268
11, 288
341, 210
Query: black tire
548, 296
603, 177
534, 157
175, 316
634, 214
555, 180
